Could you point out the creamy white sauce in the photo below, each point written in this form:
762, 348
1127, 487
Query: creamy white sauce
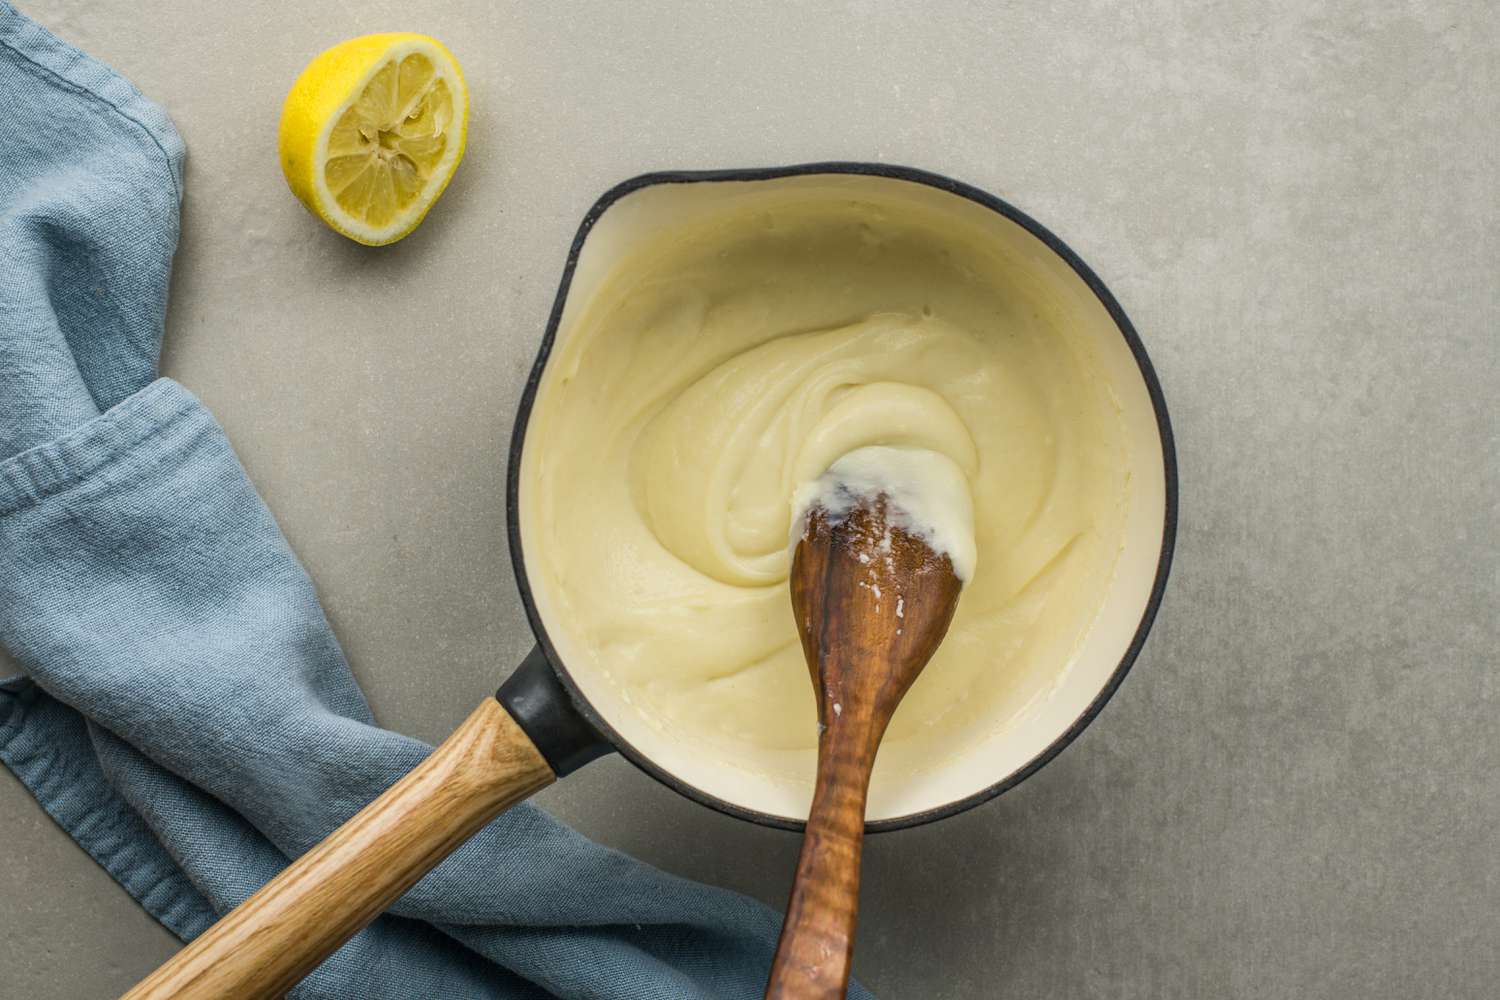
716, 373
927, 495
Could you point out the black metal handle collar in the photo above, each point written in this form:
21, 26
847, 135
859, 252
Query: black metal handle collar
542, 707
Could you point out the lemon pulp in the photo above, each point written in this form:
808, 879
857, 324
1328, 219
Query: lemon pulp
384, 149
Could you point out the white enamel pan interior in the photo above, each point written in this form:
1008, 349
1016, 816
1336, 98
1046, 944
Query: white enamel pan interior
646, 209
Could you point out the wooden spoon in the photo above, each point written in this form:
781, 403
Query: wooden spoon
872, 603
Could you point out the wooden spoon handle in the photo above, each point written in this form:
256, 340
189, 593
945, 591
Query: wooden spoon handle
816, 947
268, 943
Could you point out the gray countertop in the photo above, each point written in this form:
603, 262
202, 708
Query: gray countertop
1297, 791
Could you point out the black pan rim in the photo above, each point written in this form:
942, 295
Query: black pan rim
894, 172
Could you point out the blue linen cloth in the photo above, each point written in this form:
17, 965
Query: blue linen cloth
186, 713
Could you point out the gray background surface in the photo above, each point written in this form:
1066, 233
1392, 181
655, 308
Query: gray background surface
1296, 793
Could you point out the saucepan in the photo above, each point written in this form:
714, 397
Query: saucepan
564, 706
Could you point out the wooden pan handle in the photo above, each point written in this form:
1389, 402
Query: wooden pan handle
816, 947
267, 944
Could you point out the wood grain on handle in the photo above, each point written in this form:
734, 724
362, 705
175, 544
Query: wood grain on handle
266, 945
816, 948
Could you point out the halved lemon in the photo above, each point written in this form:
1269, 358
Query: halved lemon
372, 132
